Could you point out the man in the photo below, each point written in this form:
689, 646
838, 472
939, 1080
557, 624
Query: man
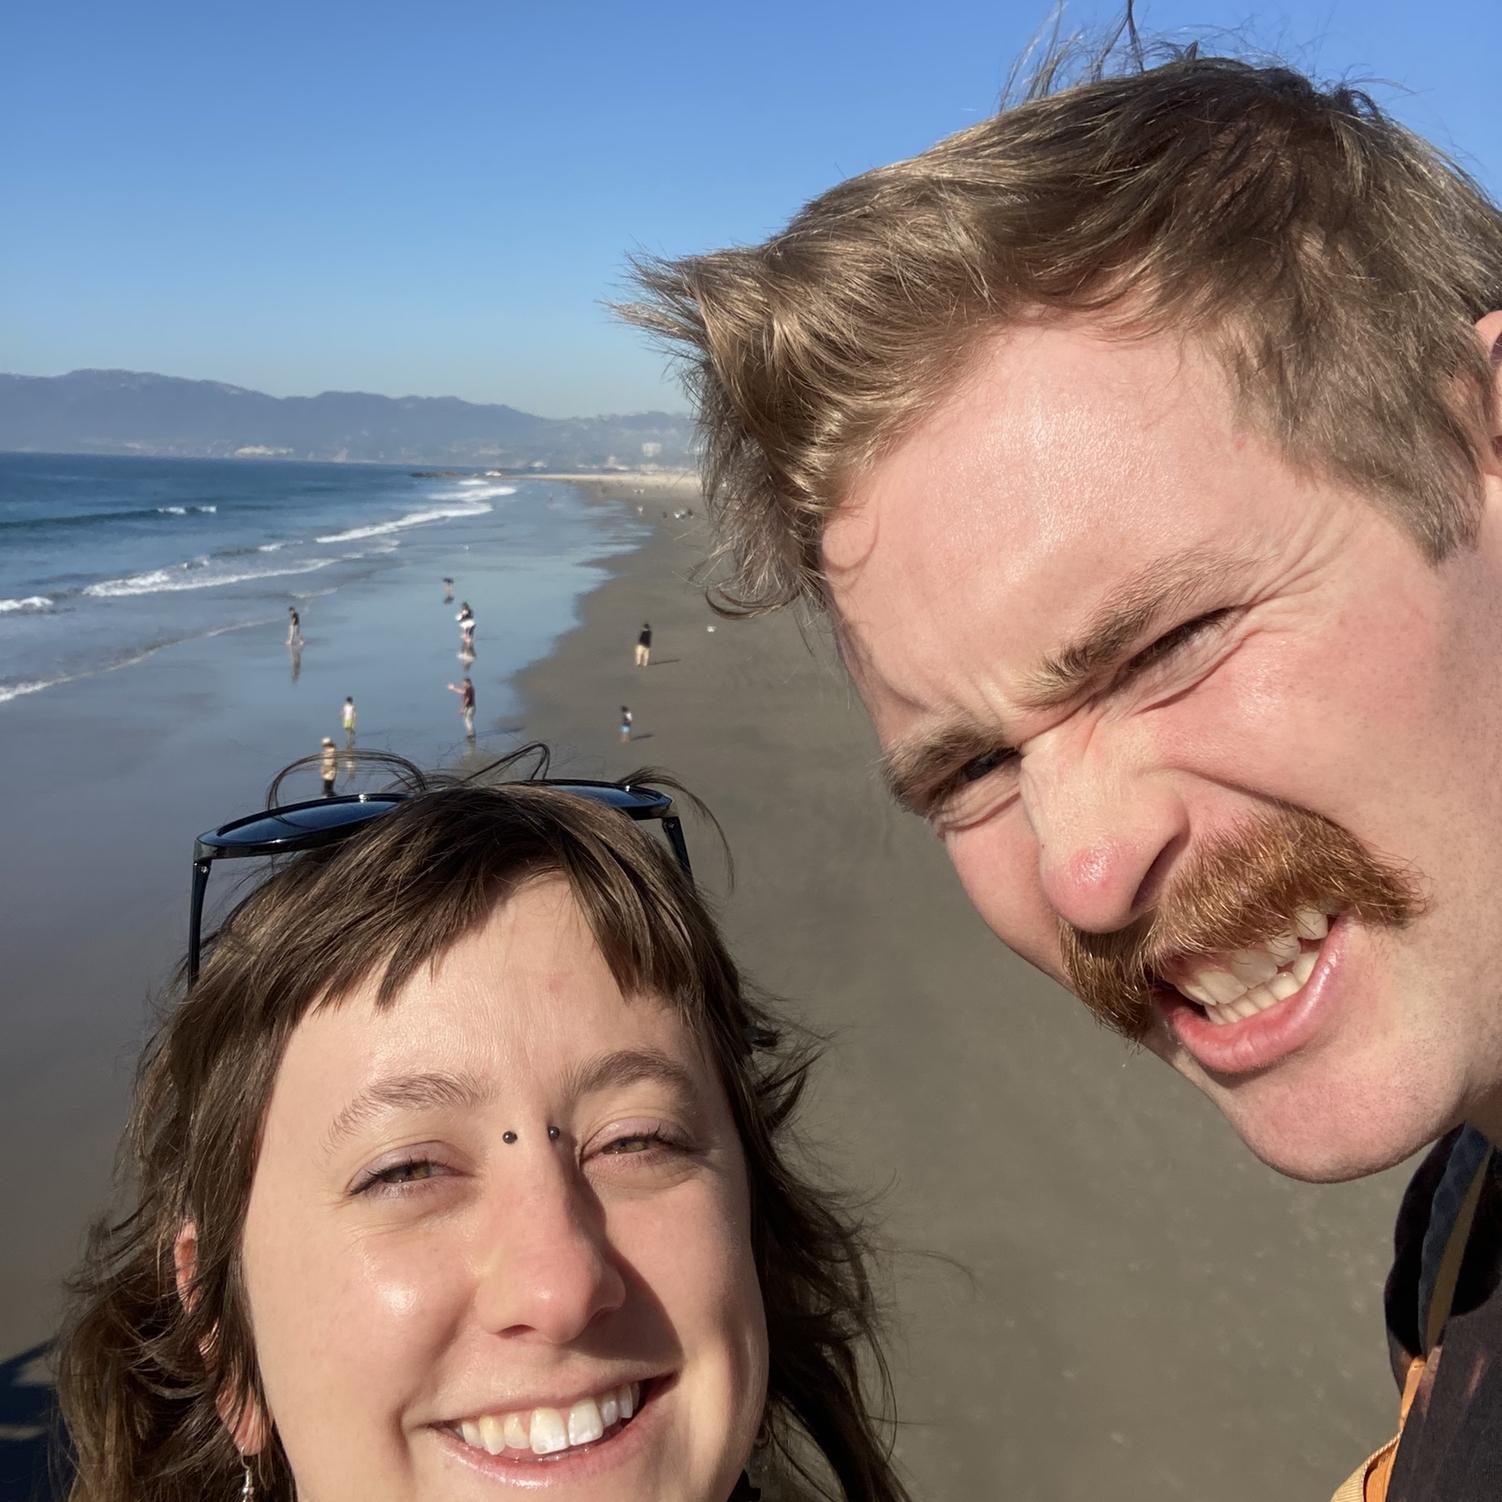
644, 645
1142, 443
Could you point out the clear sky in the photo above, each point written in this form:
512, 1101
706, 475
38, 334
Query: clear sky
434, 198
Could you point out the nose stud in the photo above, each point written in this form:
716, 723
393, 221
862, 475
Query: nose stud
508, 1138
553, 1134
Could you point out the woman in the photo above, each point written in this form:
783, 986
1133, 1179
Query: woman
461, 1163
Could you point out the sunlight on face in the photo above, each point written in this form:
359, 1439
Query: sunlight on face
1100, 625
441, 1311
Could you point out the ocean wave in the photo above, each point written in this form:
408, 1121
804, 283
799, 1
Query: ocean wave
412, 519
9, 691
191, 576
30, 602
275, 547
98, 518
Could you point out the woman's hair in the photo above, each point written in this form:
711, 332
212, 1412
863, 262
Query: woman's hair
1332, 261
144, 1371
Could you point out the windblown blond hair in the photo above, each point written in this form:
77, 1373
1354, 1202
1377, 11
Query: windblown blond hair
1333, 262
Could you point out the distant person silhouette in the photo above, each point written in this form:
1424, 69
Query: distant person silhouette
625, 723
328, 766
448, 591
466, 693
349, 720
294, 627
644, 645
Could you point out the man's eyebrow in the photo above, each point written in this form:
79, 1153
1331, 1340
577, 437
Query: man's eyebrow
629, 1066
911, 769
1161, 589
405, 1092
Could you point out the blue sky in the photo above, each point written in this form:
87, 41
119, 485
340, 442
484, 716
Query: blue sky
435, 198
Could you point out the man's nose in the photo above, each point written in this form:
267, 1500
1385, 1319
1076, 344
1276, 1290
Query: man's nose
548, 1269
1106, 837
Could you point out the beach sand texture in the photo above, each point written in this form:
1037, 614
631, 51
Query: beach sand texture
1094, 1285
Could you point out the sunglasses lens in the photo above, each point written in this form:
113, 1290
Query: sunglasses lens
293, 825
629, 800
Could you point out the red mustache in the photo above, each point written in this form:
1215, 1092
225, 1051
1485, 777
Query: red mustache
1240, 888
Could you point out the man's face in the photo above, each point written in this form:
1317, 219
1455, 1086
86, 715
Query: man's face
1119, 651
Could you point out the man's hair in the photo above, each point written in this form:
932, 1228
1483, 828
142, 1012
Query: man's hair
1331, 260
143, 1371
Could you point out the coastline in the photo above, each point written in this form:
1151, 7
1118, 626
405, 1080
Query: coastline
1061, 1213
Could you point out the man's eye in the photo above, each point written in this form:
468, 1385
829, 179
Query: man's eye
982, 766
1167, 644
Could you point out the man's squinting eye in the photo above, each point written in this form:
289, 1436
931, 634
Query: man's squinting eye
1181, 636
981, 766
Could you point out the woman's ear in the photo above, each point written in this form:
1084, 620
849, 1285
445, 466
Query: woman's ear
245, 1421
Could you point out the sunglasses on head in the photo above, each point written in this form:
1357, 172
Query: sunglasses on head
326, 821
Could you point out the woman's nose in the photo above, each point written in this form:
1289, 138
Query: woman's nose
549, 1269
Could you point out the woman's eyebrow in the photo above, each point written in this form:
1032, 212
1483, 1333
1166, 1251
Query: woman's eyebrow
405, 1092
630, 1066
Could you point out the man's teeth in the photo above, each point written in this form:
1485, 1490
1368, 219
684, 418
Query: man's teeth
1234, 986
546, 1431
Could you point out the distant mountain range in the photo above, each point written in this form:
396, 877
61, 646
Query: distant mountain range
134, 412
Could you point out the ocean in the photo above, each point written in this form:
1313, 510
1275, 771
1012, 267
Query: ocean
105, 561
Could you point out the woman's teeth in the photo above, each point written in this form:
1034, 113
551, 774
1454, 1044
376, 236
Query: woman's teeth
1238, 985
546, 1431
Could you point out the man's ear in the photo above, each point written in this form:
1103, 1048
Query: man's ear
246, 1423
1489, 331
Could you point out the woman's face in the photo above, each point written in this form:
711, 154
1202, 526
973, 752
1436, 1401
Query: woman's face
442, 1312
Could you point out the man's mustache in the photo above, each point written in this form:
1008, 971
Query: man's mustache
1239, 889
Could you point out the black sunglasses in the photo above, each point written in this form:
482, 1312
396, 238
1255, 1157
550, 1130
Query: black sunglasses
326, 821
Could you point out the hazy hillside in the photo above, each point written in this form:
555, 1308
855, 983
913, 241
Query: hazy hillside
131, 412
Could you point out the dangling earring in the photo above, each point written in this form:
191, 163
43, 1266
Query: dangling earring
248, 1491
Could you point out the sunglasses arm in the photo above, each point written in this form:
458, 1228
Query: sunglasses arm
195, 916
674, 831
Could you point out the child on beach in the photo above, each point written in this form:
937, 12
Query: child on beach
294, 627
625, 723
466, 694
328, 766
349, 718
466, 619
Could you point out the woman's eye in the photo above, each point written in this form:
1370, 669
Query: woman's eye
399, 1176
633, 1143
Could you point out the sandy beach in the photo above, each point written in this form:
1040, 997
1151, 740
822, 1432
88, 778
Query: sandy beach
1092, 1283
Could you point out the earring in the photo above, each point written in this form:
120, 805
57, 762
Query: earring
248, 1491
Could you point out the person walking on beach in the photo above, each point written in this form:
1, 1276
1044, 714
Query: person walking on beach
644, 645
1183, 393
448, 591
625, 723
294, 627
466, 692
466, 619
328, 766
348, 713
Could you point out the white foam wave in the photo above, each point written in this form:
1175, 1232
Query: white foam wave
9, 691
172, 510
412, 519
164, 580
211, 510
272, 547
30, 602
